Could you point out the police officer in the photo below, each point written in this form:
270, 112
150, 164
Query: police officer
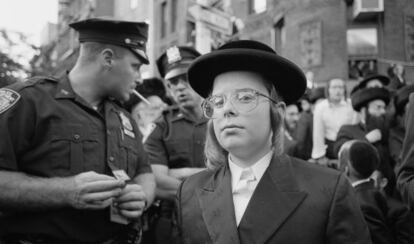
175, 147
72, 167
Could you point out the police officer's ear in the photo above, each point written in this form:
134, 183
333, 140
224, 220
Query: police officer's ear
107, 58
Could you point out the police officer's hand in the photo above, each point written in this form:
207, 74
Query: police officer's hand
131, 202
91, 190
374, 136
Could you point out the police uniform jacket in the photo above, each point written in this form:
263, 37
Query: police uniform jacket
47, 130
294, 202
177, 141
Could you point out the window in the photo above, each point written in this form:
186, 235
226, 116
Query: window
164, 20
279, 35
173, 15
133, 4
362, 42
257, 6
191, 35
362, 51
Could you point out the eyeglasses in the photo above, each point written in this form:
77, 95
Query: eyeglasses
243, 100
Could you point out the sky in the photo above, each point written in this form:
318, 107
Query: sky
28, 16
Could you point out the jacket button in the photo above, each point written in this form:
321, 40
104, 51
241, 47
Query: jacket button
111, 159
76, 136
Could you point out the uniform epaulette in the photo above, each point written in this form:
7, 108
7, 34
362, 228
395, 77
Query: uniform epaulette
17, 86
36, 79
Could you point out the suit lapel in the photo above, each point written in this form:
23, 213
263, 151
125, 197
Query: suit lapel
216, 203
276, 197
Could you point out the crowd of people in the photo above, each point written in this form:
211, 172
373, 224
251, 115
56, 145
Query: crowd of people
227, 147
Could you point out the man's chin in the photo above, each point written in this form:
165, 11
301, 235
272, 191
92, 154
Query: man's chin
122, 98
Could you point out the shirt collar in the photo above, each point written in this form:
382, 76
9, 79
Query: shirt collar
64, 88
342, 103
258, 168
359, 182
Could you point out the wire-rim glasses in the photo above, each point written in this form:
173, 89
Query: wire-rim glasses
242, 100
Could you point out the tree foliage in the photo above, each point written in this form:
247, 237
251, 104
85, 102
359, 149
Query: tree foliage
14, 51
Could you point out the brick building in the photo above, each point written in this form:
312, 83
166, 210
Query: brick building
327, 38
334, 38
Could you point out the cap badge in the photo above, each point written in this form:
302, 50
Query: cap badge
173, 55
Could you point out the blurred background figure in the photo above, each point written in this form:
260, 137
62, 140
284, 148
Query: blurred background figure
153, 90
389, 221
396, 72
292, 116
371, 104
397, 131
304, 128
329, 115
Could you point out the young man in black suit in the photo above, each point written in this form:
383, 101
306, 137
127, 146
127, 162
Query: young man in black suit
389, 220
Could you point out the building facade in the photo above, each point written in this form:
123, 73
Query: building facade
334, 38
326, 38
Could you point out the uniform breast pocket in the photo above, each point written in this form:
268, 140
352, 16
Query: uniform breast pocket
179, 153
72, 148
129, 156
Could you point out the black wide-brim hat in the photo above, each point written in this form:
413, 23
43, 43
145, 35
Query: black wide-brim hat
362, 97
363, 83
247, 55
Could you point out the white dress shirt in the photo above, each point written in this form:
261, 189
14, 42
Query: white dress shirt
327, 120
244, 181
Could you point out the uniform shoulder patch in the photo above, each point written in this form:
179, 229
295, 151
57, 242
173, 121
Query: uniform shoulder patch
8, 98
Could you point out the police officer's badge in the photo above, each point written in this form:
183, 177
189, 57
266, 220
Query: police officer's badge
173, 54
8, 98
127, 126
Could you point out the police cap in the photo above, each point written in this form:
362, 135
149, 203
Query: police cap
131, 35
175, 61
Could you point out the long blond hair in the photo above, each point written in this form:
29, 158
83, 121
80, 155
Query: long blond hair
216, 155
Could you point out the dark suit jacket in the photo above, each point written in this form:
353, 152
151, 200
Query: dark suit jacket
406, 171
395, 143
374, 207
358, 132
389, 221
294, 202
303, 136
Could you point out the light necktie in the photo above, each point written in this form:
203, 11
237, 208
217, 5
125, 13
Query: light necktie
246, 178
